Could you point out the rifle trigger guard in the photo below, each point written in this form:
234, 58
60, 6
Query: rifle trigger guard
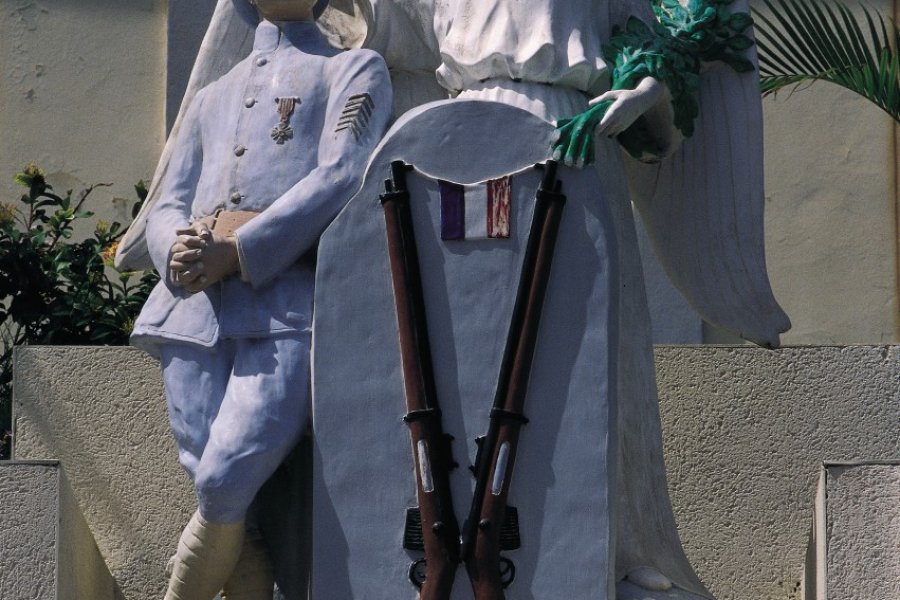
417, 571
507, 572
507, 415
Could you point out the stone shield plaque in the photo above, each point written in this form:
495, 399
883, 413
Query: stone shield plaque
364, 475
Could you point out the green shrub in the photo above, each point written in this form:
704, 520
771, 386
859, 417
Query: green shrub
54, 290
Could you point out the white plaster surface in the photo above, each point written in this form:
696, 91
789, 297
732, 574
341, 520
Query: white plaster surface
746, 431
187, 22
46, 548
862, 520
101, 412
561, 489
831, 212
82, 90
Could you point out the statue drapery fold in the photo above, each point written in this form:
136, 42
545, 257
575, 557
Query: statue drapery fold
703, 208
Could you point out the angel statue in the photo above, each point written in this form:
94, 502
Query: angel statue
595, 69
270, 144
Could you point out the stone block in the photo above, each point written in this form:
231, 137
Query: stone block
102, 413
854, 548
48, 551
746, 431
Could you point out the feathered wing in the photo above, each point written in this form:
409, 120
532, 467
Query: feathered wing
703, 208
228, 40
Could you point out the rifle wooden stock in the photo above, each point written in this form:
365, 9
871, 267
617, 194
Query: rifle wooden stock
430, 446
481, 532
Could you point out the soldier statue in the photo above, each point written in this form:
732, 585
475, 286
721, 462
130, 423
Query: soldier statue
260, 162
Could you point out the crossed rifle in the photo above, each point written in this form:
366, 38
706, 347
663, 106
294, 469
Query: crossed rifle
491, 525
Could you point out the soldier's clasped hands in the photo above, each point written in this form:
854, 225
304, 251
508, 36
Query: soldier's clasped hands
199, 258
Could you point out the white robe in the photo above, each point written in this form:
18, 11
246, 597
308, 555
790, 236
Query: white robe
545, 56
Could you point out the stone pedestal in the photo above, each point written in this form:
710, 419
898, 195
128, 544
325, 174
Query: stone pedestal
101, 412
746, 431
854, 548
46, 548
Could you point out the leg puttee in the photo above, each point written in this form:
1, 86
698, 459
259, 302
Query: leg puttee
253, 577
206, 556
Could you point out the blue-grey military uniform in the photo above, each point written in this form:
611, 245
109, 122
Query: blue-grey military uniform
235, 357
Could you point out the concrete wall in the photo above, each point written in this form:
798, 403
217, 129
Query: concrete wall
832, 204
47, 549
101, 412
82, 93
746, 431
853, 550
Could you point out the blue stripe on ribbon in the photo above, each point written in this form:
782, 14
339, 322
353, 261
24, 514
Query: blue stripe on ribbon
453, 211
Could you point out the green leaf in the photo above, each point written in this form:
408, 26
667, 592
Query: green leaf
740, 21
806, 40
739, 42
636, 26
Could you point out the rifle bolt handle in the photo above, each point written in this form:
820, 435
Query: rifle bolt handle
484, 524
438, 526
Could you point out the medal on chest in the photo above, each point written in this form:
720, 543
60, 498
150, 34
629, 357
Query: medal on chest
283, 131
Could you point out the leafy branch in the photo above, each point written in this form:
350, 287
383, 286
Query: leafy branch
57, 291
673, 50
803, 41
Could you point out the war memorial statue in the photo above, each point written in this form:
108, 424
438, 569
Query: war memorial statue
418, 324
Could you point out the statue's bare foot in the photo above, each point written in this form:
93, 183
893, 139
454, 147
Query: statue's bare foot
647, 583
650, 579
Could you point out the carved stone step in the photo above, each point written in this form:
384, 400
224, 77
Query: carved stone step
48, 551
854, 549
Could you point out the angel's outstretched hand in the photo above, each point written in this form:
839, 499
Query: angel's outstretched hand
574, 145
627, 106
609, 115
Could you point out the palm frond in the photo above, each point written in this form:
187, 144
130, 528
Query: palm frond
802, 41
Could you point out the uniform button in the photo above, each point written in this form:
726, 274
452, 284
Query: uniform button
236, 198
239, 150
249, 102
262, 61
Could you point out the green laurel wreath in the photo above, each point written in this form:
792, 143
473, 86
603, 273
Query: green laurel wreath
672, 50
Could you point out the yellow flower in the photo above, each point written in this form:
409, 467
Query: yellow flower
128, 325
7, 212
109, 254
31, 175
102, 227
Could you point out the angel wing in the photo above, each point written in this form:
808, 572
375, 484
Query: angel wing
703, 208
228, 40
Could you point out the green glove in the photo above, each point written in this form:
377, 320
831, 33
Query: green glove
574, 145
